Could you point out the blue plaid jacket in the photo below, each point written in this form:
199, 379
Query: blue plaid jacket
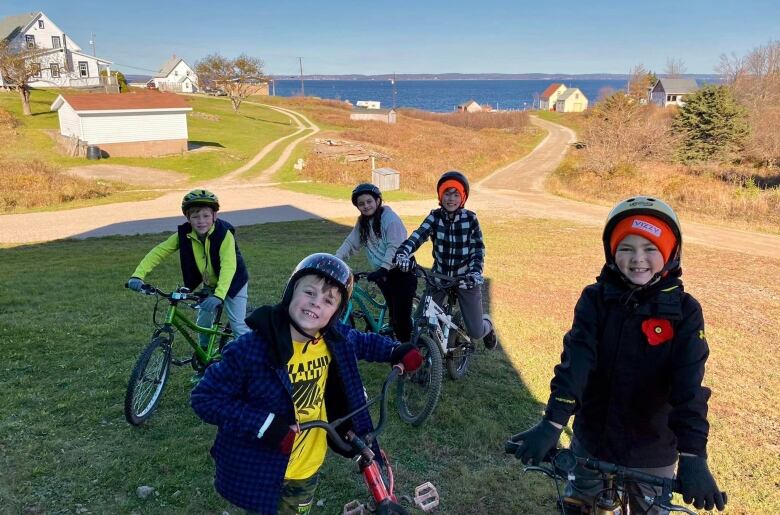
238, 393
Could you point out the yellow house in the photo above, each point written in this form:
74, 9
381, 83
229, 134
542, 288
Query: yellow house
571, 101
550, 96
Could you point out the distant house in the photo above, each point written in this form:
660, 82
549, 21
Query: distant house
130, 124
369, 104
550, 96
668, 92
60, 61
470, 107
380, 115
176, 76
571, 101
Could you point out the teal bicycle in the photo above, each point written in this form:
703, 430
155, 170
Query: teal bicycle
150, 374
366, 313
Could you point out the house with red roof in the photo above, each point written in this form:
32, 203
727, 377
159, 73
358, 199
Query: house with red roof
140, 124
549, 97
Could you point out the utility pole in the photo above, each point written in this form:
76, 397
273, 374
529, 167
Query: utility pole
392, 81
300, 63
92, 42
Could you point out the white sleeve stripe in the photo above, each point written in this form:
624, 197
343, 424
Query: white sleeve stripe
265, 425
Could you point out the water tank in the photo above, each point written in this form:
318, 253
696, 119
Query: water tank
93, 152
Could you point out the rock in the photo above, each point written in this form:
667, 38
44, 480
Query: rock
144, 491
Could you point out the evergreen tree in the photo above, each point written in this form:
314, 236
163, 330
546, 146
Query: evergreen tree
711, 124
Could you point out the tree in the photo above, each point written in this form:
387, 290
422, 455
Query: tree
237, 77
711, 124
639, 82
120, 80
675, 67
18, 68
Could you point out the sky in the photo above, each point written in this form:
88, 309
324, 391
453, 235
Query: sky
417, 36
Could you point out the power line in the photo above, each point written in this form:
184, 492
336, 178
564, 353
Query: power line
300, 63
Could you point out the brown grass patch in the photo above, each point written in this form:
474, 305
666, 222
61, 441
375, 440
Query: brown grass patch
730, 194
514, 121
31, 184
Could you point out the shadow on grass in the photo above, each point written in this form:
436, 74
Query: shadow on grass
194, 145
276, 122
66, 437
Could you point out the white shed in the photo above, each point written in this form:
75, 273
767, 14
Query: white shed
128, 124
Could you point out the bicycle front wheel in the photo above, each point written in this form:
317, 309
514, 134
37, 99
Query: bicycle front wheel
418, 392
147, 381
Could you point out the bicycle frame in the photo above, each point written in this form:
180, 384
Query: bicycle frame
439, 321
364, 302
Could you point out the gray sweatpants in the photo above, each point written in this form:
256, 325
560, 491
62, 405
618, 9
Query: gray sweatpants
235, 310
587, 489
470, 303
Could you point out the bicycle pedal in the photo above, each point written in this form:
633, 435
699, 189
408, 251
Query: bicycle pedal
426, 497
355, 508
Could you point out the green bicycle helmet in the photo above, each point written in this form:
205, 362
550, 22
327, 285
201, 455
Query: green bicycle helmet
648, 206
199, 198
366, 188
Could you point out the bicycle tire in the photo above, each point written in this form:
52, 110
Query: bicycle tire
424, 383
459, 354
138, 408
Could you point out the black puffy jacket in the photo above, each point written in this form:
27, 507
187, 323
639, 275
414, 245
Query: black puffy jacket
631, 373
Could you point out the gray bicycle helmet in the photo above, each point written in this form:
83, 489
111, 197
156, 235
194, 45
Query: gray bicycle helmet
330, 268
362, 189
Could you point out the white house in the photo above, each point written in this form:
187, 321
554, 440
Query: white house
571, 101
379, 115
176, 75
550, 96
470, 106
129, 124
369, 104
668, 92
61, 62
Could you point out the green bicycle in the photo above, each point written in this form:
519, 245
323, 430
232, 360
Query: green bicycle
150, 374
365, 313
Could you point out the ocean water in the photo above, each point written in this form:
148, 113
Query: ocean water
442, 95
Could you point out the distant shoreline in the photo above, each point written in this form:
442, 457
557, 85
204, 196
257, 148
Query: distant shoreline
491, 76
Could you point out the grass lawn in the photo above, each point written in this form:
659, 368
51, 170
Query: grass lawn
235, 138
570, 120
71, 334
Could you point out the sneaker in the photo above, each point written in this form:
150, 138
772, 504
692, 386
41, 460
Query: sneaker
490, 340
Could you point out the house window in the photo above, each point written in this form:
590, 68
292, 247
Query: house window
30, 40
175, 73
188, 73
36, 69
40, 24
55, 42
83, 69
55, 70
674, 98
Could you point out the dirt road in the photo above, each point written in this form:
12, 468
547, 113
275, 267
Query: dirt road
515, 190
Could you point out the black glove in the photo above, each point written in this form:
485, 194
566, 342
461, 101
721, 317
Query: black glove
697, 485
536, 442
377, 276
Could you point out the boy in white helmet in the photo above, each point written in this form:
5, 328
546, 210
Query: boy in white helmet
632, 367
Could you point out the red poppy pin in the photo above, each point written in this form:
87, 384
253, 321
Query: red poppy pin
657, 330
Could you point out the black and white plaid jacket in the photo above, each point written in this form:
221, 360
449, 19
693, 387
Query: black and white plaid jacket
458, 248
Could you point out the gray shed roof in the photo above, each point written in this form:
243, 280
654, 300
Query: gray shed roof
168, 66
569, 92
676, 86
364, 110
10, 26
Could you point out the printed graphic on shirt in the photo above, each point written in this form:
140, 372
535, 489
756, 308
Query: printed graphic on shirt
308, 373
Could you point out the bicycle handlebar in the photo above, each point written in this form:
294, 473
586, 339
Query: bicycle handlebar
179, 294
439, 281
352, 441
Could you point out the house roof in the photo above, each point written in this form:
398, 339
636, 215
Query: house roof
569, 92
169, 65
365, 110
121, 101
468, 103
676, 86
552, 88
11, 26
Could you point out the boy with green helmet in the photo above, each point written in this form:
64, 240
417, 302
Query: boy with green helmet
632, 366
209, 255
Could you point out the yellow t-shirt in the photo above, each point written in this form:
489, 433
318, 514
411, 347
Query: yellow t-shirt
308, 372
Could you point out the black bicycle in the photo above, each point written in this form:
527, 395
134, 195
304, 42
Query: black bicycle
440, 335
612, 499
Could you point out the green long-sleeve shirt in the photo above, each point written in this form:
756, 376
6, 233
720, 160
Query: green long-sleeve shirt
227, 257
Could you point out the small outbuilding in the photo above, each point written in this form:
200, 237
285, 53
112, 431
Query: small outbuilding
137, 124
470, 106
379, 115
571, 101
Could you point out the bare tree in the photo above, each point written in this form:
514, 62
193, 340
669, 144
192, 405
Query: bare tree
19, 66
237, 77
639, 82
675, 67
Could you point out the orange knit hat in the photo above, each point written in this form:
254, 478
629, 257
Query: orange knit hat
648, 227
452, 183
